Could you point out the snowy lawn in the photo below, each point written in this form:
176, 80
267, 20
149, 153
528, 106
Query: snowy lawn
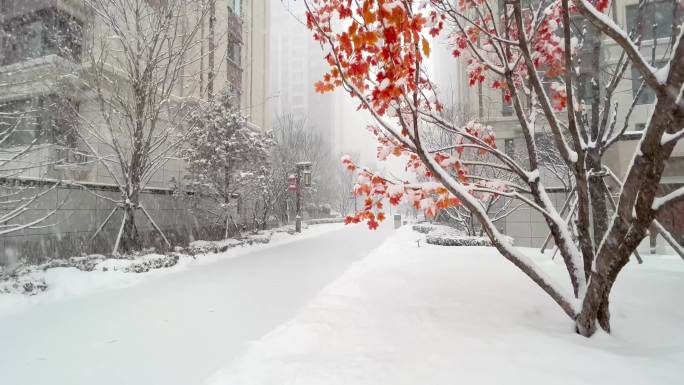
444, 315
68, 282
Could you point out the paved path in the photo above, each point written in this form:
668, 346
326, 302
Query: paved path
179, 328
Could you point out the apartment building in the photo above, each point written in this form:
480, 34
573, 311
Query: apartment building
487, 105
45, 44
297, 63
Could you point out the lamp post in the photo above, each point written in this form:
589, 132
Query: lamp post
303, 171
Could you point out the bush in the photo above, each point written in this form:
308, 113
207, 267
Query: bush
447, 239
442, 235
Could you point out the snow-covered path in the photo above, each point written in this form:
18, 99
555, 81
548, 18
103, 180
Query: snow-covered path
179, 328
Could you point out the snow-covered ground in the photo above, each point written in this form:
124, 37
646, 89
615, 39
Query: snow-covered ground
443, 315
169, 326
69, 282
288, 313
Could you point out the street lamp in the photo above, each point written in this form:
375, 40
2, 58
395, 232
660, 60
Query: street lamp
303, 170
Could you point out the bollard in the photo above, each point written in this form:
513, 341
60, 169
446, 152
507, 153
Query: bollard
298, 224
397, 221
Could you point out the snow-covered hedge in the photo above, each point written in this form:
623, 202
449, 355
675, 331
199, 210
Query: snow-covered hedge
424, 228
322, 221
151, 262
29, 279
451, 239
448, 236
206, 247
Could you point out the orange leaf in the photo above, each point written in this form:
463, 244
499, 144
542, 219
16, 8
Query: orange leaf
426, 47
368, 15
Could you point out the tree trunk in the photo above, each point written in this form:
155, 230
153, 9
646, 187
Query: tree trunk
130, 238
633, 217
608, 265
597, 195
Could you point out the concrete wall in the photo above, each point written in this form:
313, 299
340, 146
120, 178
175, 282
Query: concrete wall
79, 213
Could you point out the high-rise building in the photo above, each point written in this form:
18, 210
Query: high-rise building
296, 64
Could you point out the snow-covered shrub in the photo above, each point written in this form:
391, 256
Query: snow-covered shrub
207, 247
322, 221
447, 239
153, 261
423, 228
24, 279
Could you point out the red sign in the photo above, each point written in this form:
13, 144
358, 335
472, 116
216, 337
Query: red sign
292, 183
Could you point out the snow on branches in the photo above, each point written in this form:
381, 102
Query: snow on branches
430, 196
225, 156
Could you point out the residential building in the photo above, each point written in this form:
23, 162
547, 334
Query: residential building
296, 64
47, 48
44, 44
487, 104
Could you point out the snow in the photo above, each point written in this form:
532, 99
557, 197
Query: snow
178, 328
66, 283
287, 313
658, 202
443, 315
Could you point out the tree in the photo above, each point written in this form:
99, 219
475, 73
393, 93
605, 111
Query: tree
226, 157
527, 51
136, 56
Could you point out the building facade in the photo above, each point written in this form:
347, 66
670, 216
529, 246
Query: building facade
47, 49
297, 63
487, 105
45, 44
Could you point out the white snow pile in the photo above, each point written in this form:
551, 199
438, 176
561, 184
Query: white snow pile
408, 315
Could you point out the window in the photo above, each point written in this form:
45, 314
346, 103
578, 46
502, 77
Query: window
647, 96
236, 6
509, 147
48, 32
19, 123
63, 36
657, 15
46, 119
506, 106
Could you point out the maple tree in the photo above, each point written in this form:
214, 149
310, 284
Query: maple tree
377, 51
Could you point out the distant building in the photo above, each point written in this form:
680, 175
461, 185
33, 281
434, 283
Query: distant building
296, 64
